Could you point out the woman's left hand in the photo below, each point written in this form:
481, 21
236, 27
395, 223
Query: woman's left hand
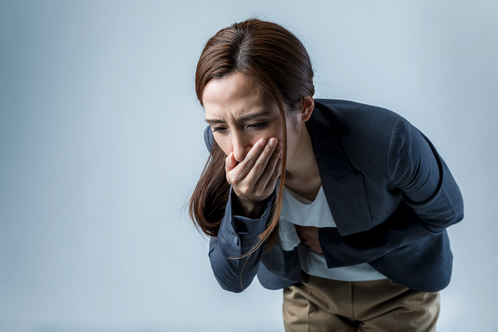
309, 236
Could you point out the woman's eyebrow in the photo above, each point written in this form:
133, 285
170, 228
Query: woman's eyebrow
214, 121
252, 116
242, 118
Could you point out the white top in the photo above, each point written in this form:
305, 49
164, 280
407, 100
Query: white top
297, 210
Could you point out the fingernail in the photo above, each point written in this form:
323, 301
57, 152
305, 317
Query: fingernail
273, 142
262, 141
279, 146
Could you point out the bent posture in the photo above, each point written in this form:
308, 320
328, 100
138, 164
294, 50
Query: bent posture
343, 205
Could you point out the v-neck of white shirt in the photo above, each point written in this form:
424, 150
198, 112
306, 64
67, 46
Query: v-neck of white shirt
300, 211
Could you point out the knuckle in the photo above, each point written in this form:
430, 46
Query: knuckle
235, 179
245, 189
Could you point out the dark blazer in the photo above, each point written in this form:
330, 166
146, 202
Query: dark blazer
390, 193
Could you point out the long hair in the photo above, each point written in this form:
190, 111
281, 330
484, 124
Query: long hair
281, 65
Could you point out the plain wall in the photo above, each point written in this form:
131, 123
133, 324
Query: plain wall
101, 145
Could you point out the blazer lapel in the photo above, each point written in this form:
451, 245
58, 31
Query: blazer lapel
343, 186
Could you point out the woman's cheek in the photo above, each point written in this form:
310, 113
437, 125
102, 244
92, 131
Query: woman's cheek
224, 146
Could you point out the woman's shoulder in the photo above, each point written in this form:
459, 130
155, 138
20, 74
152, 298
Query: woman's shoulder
349, 118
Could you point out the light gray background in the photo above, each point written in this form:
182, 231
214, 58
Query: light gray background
101, 145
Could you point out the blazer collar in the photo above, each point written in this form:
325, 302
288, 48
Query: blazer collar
342, 184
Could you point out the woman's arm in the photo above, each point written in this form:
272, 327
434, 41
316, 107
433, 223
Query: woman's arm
236, 237
423, 177
432, 202
246, 214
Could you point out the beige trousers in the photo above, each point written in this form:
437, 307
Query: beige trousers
322, 305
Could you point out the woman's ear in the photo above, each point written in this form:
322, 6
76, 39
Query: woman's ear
308, 106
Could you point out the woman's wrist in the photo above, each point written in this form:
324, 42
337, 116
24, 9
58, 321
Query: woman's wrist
249, 209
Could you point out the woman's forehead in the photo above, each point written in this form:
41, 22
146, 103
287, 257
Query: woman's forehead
235, 95
238, 85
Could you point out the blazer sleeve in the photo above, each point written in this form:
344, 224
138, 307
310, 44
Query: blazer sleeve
425, 181
236, 237
431, 202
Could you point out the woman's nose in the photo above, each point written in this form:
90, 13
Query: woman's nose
240, 148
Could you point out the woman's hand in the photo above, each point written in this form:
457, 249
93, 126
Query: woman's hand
309, 236
254, 178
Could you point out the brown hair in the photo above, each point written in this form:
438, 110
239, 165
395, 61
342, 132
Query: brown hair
280, 63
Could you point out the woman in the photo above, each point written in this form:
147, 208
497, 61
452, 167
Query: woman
343, 205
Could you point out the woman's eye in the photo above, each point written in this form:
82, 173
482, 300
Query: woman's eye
259, 125
218, 129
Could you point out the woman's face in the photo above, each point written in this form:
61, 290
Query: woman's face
240, 113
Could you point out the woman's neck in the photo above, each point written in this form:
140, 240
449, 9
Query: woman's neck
302, 175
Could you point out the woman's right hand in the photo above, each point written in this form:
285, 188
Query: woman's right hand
254, 178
